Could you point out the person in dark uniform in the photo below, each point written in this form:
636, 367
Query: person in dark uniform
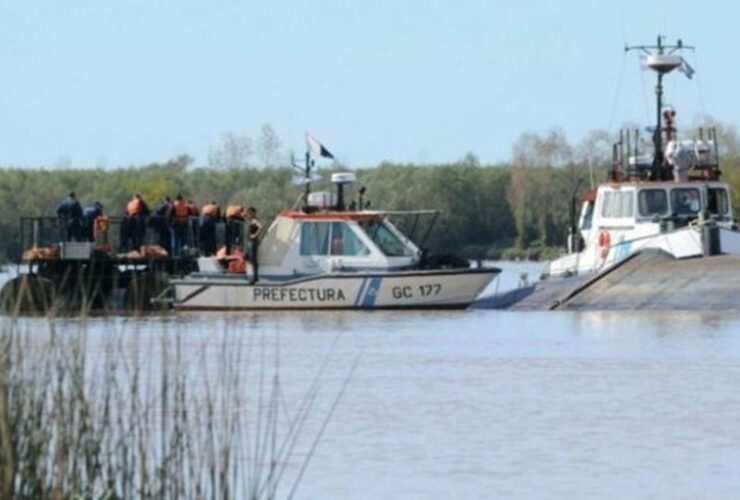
234, 227
69, 213
160, 222
180, 225
133, 231
254, 234
89, 214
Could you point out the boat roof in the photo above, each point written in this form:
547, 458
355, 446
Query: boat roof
353, 215
664, 183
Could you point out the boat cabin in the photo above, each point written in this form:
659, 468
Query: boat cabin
300, 243
640, 209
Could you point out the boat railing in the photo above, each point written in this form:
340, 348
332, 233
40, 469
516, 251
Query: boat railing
630, 161
110, 238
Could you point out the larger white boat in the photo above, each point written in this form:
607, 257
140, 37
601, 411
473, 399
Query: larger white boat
672, 199
326, 256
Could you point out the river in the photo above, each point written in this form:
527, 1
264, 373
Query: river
496, 404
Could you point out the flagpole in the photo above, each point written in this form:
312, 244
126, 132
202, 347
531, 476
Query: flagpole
308, 179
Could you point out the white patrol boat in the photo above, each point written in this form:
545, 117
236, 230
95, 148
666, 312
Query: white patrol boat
325, 256
671, 200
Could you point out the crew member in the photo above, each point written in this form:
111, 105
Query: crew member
193, 223
161, 221
209, 215
69, 213
180, 225
89, 214
133, 231
234, 226
254, 233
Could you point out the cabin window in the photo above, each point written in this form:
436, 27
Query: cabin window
626, 204
718, 202
344, 241
386, 240
315, 238
587, 216
652, 202
618, 204
606, 204
685, 201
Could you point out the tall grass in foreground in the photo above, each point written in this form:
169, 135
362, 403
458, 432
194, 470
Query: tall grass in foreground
127, 417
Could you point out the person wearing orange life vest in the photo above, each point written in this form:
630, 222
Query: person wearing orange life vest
209, 215
133, 227
234, 228
180, 224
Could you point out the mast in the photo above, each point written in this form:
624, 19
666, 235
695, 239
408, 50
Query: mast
307, 177
662, 59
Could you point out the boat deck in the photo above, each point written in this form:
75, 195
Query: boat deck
649, 280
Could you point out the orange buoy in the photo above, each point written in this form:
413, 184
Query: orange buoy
605, 242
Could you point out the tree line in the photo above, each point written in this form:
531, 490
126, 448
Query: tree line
520, 208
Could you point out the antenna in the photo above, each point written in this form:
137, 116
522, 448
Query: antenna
662, 62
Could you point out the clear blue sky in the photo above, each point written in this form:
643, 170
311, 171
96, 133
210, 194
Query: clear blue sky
128, 82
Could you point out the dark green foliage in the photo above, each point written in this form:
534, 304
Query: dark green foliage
476, 218
521, 208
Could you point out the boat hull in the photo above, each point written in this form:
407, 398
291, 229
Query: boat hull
439, 289
682, 243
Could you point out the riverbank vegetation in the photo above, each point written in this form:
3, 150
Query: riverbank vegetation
516, 209
95, 413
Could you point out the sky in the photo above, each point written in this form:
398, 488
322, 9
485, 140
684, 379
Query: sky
119, 83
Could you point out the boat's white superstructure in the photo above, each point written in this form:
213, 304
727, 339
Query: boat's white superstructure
683, 219
672, 199
324, 256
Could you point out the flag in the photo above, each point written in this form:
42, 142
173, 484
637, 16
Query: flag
316, 148
686, 69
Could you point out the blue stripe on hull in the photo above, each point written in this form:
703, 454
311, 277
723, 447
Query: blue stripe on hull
360, 291
372, 292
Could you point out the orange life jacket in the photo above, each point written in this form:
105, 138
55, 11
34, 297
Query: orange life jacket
210, 209
134, 207
236, 211
180, 210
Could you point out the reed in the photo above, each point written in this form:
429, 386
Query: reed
136, 414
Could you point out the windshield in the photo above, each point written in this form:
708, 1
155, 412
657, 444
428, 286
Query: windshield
718, 201
685, 201
653, 202
386, 239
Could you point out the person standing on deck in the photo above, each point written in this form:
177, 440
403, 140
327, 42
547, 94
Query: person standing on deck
69, 213
133, 229
180, 224
193, 223
209, 215
254, 233
89, 214
160, 221
233, 231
